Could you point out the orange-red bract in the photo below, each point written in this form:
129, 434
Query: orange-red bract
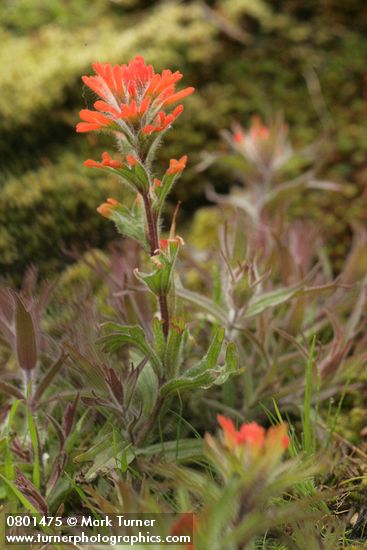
132, 95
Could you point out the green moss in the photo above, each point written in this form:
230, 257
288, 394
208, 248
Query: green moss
204, 228
50, 211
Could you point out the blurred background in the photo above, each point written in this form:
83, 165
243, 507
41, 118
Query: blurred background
307, 60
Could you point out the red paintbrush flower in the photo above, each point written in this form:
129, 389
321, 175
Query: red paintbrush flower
253, 436
267, 147
132, 98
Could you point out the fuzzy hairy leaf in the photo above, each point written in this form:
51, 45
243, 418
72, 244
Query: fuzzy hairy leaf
164, 190
147, 386
159, 340
204, 303
260, 303
207, 373
129, 222
231, 364
209, 361
160, 279
173, 355
104, 458
120, 335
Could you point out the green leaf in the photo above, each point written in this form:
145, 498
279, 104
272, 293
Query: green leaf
220, 514
147, 386
105, 459
289, 189
204, 381
173, 355
9, 468
187, 450
141, 176
231, 364
308, 427
209, 361
159, 281
163, 191
35, 444
204, 303
121, 335
238, 200
133, 178
159, 341
258, 304
12, 413
207, 373
103, 442
130, 223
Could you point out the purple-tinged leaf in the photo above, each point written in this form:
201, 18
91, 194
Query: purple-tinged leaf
96, 402
48, 377
27, 488
69, 416
17, 449
9, 389
59, 431
114, 383
56, 472
25, 336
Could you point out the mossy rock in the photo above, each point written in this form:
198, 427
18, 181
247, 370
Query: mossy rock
49, 212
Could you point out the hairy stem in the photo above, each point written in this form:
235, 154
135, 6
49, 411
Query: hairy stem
152, 224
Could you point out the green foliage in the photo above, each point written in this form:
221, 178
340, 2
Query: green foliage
104, 403
206, 373
23, 15
97, 418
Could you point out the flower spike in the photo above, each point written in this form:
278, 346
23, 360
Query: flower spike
132, 94
135, 104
